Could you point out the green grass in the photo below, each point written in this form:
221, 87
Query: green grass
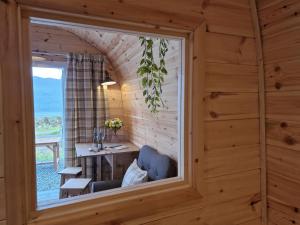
47, 131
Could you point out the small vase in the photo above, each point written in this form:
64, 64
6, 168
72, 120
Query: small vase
114, 138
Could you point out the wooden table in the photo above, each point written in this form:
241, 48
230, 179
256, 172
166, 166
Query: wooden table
83, 151
53, 145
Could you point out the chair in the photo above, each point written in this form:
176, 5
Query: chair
157, 165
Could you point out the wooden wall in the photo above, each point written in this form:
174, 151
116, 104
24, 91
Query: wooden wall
159, 131
231, 160
279, 21
232, 165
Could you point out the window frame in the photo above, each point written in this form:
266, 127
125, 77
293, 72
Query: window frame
172, 192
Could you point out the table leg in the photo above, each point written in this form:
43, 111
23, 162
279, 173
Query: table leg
99, 168
113, 167
55, 157
94, 162
57, 148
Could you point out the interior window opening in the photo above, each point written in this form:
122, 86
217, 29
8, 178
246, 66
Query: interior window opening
108, 109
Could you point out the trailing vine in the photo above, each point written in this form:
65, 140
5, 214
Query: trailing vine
152, 74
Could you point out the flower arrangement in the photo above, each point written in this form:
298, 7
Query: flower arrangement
114, 124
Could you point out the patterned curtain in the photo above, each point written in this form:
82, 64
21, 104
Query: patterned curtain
84, 104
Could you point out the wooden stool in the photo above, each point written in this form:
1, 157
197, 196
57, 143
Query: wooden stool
75, 186
68, 173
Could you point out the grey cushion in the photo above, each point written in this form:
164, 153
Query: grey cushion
105, 185
157, 165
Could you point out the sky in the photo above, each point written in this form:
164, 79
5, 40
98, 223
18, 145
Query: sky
54, 73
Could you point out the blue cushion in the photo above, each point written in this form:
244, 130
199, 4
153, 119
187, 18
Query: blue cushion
157, 165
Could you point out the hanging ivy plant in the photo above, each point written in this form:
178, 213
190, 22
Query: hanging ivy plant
152, 74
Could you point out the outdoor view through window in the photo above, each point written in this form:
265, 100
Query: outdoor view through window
107, 108
48, 112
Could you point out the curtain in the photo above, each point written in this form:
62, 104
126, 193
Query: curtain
84, 104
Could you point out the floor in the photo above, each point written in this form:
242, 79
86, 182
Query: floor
48, 183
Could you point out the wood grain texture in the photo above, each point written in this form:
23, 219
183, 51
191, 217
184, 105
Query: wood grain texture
2, 199
225, 161
231, 133
230, 49
230, 105
279, 22
231, 78
50, 39
230, 54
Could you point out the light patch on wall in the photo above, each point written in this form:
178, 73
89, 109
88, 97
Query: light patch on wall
43, 72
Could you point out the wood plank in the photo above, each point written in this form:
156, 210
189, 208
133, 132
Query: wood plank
248, 209
56, 40
283, 133
231, 78
123, 9
226, 106
3, 222
277, 10
230, 187
252, 222
230, 49
284, 162
281, 211
231, 133
2, 199
190, 218
228, 17
283, 76
13, 137
283, 188
283, 105
224, 161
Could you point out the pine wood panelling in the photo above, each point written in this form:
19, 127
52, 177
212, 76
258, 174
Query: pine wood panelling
230, 49
224, 161
234, 20
287, 44
279, 21
229, 187
133, 12
283, 105
2, 199
231, 68
284, 161
281, 187
236, 211
56, 40
283, 213
278, 10
159, 131
283, 76
231, 133
229, 105
190, 218
283, 133
231, 78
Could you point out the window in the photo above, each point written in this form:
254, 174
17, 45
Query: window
186, 103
